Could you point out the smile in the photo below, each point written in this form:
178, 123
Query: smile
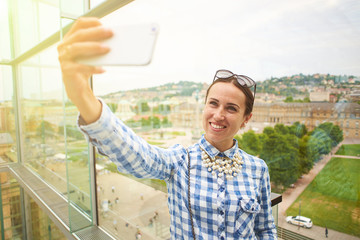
217, 126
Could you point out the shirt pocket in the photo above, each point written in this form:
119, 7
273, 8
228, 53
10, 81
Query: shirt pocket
244, 224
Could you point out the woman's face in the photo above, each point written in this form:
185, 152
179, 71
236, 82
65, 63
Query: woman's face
223, 114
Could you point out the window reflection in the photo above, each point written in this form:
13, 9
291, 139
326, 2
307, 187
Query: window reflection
41, 226
8, 151
53, 146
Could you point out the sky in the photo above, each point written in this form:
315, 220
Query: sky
258, 38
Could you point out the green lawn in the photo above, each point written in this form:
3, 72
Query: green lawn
349, 150
333, 197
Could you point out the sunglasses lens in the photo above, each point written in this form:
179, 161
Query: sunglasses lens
224, 74
243, 80
246, 81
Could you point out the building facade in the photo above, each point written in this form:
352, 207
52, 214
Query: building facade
345, 115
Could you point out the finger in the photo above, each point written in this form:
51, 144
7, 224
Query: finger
84, 22
89, 34
72, 69
89, 49
90, 69
82, 50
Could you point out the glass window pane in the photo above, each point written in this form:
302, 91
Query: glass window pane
41, 225
54, 148
33, 21
72, 8
10, 202
5, 52
8, 150
77, 167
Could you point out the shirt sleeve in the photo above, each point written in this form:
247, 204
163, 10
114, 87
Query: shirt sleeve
264, 221
129, 152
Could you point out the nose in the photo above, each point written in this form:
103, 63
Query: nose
219, 115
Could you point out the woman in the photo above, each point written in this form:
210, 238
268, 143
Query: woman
227, 195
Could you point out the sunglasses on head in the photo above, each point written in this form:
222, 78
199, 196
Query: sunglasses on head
243, 80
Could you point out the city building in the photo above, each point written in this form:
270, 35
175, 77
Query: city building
345, 115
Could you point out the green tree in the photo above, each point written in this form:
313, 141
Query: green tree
250, 143
268, 130
145, 122
45, 129
282, 159
281, 129
320, 141
306, 100
333, 131
165, 122
307, 155
144, 107
289, 99
113, 107
71, 131
155, 121
298, 129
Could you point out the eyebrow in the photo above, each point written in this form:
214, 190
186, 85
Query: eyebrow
228, 104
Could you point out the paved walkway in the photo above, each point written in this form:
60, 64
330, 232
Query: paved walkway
344, 156
136, 205
291, 194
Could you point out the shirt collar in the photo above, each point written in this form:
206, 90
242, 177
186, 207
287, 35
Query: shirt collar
213, 152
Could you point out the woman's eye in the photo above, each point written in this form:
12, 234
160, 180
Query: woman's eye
213, 103
232, 109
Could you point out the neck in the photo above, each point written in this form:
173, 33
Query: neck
221, 146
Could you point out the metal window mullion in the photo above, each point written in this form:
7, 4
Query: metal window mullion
94, 206
92, 159
1, 216
14, 45
25, 215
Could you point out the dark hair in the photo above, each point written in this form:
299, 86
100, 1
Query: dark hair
249, 97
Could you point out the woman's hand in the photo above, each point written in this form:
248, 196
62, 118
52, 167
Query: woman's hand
82, 40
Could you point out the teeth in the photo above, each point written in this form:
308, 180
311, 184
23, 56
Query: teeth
217, 126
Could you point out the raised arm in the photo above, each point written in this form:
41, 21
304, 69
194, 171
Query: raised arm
82, 41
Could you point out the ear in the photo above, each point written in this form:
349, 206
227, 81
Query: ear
247, 118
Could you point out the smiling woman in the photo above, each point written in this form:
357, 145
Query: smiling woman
224, 114
227, 187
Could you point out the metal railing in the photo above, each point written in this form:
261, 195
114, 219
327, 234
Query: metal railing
289, 235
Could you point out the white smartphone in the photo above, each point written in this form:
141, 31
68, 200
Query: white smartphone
131, 45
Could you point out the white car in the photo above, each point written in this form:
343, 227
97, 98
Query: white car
299, 221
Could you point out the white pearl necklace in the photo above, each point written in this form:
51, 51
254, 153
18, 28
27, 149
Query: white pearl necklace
224, 165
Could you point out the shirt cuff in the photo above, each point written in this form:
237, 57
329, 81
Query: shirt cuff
94, 127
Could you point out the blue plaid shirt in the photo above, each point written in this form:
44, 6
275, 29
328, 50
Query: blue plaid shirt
221, 208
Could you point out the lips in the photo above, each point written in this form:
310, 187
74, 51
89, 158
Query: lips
216, 126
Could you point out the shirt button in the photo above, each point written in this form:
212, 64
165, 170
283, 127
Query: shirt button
222, 188
222, 238
221, 212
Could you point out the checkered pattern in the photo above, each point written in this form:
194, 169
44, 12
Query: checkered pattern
221, 208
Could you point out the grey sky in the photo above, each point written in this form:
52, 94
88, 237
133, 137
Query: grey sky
257, 38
